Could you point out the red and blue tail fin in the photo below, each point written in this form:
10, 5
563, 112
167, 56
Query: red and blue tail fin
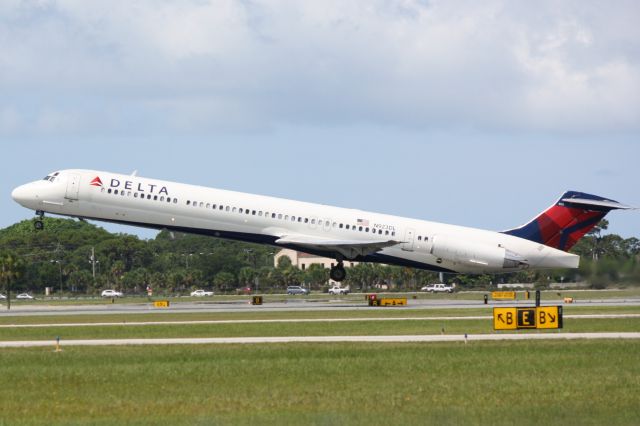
568, 220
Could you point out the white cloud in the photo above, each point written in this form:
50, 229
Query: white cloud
568, 67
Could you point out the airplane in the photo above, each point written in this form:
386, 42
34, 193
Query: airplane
335, 232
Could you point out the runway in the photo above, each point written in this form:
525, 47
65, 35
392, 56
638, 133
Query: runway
280, 306
322, 339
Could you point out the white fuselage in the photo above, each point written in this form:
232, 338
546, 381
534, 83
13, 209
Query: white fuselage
168, 205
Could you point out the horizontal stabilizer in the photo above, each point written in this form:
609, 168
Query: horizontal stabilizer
568, 220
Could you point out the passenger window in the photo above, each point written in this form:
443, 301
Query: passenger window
360, 228
227, 208
235, 209
122, 193
313, 221
299, 219
286, 217
239, 210
102, 190
260, 213
293, 218
273, 215
253, 212
175, 201
155, 198
419, 238
386, 232
346, 226
208, 205
306, 220
115, 191
280, 216
148, 196
213, 206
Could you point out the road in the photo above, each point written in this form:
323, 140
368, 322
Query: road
294, 304
322, 339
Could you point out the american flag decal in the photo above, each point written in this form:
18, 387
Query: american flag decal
96, 182
363, 222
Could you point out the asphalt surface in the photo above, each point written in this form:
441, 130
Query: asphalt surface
323, 339
294, 304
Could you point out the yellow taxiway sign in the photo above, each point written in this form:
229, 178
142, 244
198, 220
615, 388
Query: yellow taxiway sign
516, 318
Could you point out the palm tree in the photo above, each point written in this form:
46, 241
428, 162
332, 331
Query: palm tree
10, 270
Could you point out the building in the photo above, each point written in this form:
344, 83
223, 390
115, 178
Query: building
303, 260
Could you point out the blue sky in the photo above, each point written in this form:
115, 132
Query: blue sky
478, 114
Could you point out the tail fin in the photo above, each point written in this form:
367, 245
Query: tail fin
568, 220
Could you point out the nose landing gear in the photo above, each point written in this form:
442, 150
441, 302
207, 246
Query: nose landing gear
38, 224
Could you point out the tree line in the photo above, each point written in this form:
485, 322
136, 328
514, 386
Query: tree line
76, 257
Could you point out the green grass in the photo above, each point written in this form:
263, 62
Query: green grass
351, 328
383, 312
541, 382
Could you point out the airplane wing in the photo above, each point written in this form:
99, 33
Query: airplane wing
349, 248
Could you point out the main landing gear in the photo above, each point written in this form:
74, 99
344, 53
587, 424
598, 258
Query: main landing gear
337, 272
38, 224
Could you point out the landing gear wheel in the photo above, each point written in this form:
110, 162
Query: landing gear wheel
38, 225
338, 273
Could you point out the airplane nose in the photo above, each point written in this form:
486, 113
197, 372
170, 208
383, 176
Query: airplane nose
21, 194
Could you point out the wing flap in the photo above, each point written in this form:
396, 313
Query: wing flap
349, 248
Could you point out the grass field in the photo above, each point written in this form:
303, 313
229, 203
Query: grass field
387, 312
542, 382
525, 382
356, 328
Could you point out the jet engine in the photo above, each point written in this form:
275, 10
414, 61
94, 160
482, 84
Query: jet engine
482, 257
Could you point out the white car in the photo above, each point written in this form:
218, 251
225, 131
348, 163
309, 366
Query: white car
438, 288
111, 293
201, 293
24, 296
338, 290
2, 297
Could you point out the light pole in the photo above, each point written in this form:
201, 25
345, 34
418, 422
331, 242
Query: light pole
60, 276
93, 262
186, 259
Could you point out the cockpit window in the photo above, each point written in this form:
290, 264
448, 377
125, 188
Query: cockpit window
51, 176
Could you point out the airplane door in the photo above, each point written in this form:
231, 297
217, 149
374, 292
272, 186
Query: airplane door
408, 238
73, 186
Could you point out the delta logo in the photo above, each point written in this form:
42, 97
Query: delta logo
96, 182
150, 188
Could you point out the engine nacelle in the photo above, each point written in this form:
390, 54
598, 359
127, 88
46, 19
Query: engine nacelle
476, 255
